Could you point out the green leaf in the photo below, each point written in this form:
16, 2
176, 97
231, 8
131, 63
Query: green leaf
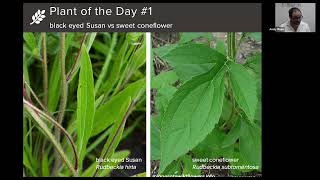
211, 146
241, 162
244, 89
30, 40
85, 105
254, 62
193, 59
45, 165
233, 134
155, 140
250, 142
191, 114
164, 50
188, 166
255, 35
189, 36
54, 79
220, 47
173, 169
164, 95
46, 131
107, 113
164, 79
138, 58
116, 131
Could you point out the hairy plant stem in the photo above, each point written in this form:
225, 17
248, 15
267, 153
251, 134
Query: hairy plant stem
76, 64
45, 68
231, 42
63, 99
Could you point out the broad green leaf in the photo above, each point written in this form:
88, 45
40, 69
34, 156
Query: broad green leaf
250, 142
85, 105
164, 50
191, 114
211, 146
164, 79
107, 113
254, 62
164, 95
226, 109
188, 166
258, 114
241, 162
192, 59
189, 36
244, 89
173, 169
104, 172
233, 134
155, 140
220, 47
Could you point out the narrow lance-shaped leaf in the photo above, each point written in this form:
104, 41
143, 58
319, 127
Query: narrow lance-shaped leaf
115, 133
244, 88
85, 104
192, 113
107, 113
50, 136
54, 82
30, 40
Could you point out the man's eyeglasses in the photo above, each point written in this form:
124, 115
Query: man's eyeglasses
297, 18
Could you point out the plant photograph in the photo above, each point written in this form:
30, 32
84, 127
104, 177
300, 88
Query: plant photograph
84, 104
206, 104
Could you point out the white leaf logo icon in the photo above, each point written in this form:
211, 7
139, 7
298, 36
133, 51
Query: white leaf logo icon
38, 17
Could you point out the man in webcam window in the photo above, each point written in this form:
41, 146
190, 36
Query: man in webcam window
295, 23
